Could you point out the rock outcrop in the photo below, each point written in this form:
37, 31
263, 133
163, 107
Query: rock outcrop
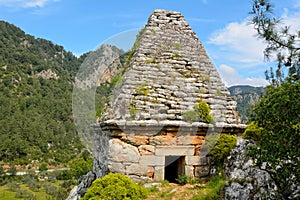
247, 181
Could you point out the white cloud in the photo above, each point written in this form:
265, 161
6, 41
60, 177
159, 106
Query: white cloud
36, 3
238, 43
231, 77
25, 3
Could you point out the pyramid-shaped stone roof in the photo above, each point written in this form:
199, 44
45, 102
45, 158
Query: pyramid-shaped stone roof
169, 72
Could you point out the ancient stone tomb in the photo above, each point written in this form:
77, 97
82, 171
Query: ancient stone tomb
152, 129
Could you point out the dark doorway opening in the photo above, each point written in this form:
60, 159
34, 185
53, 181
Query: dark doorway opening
174, 167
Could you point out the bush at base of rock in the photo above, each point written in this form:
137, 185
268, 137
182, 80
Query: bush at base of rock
115, 187
221, 145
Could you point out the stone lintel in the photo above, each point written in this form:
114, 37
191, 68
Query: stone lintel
174, 150
153, 127
151, 160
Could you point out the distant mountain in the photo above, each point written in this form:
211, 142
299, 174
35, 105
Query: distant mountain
36, 82
246, 97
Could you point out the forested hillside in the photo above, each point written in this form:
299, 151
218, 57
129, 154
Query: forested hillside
35, 99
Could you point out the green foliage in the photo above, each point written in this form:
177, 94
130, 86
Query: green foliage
12, 170
36, 113
200, 113
182, 179
212, 189
281, 41
177, 46
277, 117
80, 167
223, 144
114, 187
132, 111
142, 89
191, 116
252, 132
43, 167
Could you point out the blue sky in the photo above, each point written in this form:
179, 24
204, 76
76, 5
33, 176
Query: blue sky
222, 27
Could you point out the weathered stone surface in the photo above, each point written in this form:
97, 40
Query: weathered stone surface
196, 160
73, 194
152, 160
202, 171
190, 140
116, 167
137, 169
135, 140
174, 151
168, 139
146, 150
189, 170
122, 152
246, 180
159, 173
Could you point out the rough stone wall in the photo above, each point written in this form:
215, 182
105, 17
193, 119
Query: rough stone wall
169, 73
142, 156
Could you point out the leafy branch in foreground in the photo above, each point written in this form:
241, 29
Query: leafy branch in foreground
281, 40
277, 132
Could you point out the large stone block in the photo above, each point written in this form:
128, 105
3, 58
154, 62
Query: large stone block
168, 139
196, 160
174, 150
122, 152
116, 167
151, 160
135, 140
189, 170
137, 169
202, 171
190, 140
146, 150
159, 173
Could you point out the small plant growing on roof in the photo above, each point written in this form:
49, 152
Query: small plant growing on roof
177, 46
143, 89
199, 113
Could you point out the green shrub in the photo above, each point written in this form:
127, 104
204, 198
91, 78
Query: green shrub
115, 187
253, 132
182, 179
43, 167
199, 113
80, 166
191, 116
222, 147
